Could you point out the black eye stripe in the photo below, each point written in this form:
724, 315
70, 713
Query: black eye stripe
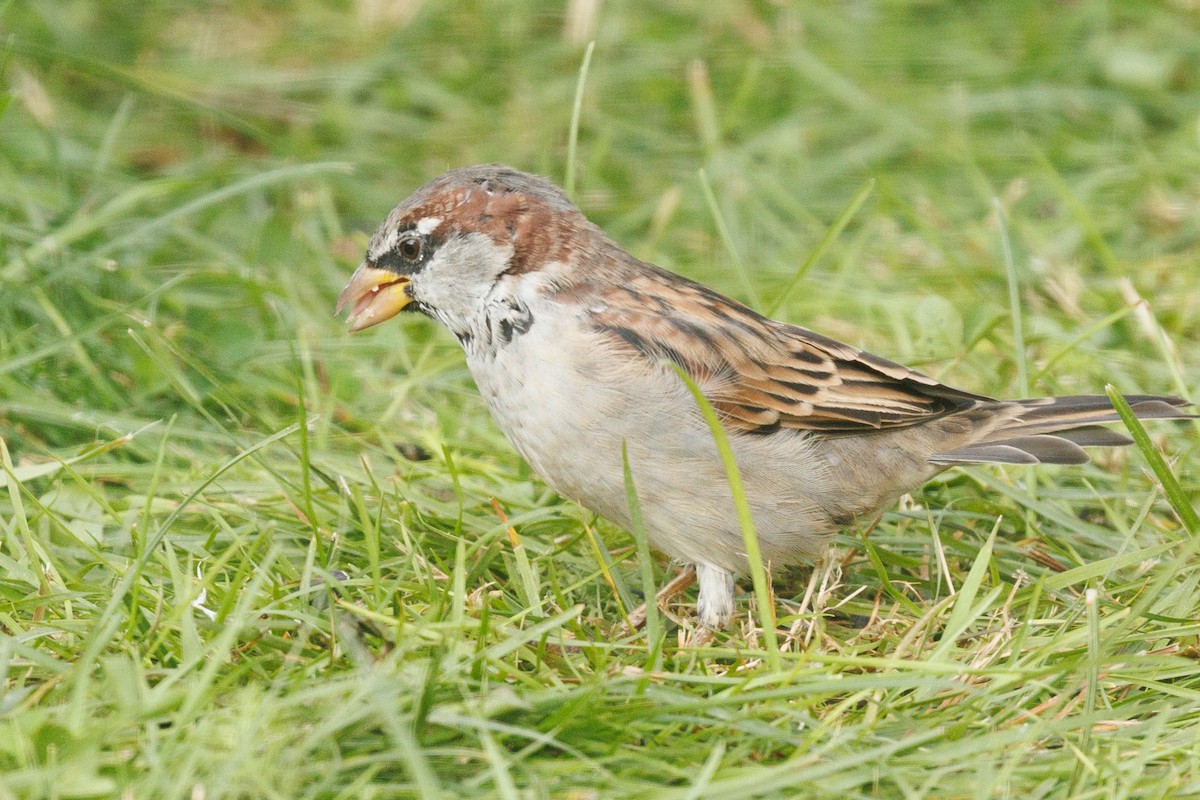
407, 255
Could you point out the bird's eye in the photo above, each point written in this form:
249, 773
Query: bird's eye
409, 248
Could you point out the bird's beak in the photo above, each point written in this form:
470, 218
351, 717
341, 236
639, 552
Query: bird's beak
376, 295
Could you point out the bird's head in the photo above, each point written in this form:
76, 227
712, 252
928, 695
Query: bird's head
444, 248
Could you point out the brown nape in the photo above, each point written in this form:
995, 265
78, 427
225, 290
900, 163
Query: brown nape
538, 237
1054, 430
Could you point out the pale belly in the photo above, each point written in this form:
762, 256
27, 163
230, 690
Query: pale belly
569, 414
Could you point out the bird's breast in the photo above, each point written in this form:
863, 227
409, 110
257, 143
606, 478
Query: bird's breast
572, 403
569, 404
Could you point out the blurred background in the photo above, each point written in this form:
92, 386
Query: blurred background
985, 190
213, 169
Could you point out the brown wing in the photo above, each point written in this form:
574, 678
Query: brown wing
762, 375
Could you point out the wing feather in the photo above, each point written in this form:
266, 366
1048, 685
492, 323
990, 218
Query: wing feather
762, 375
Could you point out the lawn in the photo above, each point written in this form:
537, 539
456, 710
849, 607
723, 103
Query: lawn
246, 554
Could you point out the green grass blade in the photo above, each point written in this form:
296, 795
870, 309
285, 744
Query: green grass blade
529, 581
1158, 465
654, 630
1106, 566
758, 572
726, 237
1015, 315
835, 230
224, 194
576, 114
963, 612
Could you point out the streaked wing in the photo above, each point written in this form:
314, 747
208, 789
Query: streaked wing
762, 375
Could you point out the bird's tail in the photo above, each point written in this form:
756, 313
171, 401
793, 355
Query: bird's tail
1054, 430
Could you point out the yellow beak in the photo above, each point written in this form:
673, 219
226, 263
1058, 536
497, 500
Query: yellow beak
376, 295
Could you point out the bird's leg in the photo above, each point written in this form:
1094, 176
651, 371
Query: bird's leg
715, 603
672, 589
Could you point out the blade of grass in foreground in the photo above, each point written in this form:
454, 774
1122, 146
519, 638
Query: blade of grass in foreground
762, 592
109, 619
645, 566
29, 472
529, 581
963, 613
1174, 492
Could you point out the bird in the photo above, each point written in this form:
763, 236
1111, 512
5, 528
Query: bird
577, 347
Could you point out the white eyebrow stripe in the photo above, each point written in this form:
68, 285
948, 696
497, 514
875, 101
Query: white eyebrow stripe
428, 225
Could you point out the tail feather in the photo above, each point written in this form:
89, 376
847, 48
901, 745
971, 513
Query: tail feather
1039, 449
1095, 436
1049, 414
1054, 430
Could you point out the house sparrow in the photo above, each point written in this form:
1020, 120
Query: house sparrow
571, 340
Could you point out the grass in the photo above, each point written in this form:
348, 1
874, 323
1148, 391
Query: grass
244, 554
